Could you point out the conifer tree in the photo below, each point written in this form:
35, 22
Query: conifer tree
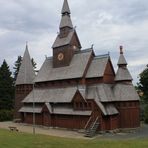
6, 87
17, 67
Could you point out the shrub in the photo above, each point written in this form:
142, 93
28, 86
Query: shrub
6, 115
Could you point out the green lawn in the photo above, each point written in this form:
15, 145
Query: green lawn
22, 140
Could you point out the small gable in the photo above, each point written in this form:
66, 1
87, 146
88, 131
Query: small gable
75, 42
78, 97
109, 73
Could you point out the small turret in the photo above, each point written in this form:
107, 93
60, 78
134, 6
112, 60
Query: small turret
26, 73
122, 75
24, 82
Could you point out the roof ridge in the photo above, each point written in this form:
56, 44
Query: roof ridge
84, 51
101, 56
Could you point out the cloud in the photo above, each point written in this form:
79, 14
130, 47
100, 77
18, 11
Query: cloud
105, 23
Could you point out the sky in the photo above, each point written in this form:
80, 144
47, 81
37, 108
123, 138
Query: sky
105, 23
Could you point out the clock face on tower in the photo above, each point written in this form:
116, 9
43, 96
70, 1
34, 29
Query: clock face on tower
60, 56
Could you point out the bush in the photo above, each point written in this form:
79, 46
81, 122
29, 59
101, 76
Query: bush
6, 115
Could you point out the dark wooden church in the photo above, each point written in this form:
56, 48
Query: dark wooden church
75, 88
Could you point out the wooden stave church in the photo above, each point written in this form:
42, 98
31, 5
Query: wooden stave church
75, 87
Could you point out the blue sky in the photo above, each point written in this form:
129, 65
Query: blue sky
105, 23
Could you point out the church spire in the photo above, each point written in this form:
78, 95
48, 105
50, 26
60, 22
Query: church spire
26, 73
122, 60
66, 20
65, 8
123, 73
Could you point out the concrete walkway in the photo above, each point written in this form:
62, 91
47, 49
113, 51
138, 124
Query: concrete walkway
43, 130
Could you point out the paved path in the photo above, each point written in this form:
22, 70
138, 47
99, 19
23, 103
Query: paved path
138, 133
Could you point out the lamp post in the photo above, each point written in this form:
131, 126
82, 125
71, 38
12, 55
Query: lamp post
33, 111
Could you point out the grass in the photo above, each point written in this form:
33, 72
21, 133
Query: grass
10, 139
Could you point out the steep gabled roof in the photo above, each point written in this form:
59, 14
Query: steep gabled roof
125, 92
63, 41
26, 73
97, 67
76, 68
104, 92
123, 74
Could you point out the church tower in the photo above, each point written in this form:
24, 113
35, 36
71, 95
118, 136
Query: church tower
67, 41
24, 81
123, 75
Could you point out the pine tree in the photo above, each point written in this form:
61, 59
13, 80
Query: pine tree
17, 67
6, 87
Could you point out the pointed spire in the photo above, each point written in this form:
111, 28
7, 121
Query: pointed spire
26, 45
66, 20
26, 73
65, 8
122, 60
123, 73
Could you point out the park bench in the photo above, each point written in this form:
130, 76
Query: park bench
13, 128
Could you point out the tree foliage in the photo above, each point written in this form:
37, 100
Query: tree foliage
143, 88
6, 87
17, 67
143, 84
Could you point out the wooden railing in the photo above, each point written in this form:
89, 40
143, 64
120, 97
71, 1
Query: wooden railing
88, 122
95, 122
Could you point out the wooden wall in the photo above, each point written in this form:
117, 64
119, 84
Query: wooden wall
129, 114
21, 91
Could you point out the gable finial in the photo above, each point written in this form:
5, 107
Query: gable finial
92, 46
121, 49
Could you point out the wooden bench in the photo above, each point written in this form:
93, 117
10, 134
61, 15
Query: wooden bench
13, 128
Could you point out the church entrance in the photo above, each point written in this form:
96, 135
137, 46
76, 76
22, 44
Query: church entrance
46, 119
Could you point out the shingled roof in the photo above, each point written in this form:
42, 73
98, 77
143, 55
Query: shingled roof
123, 74
60, 95
122, 60
97, 67
74, 70
26, 73
63, 41
29, 109
65, 8
70, 111
104, 92
66, 21
125, 92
